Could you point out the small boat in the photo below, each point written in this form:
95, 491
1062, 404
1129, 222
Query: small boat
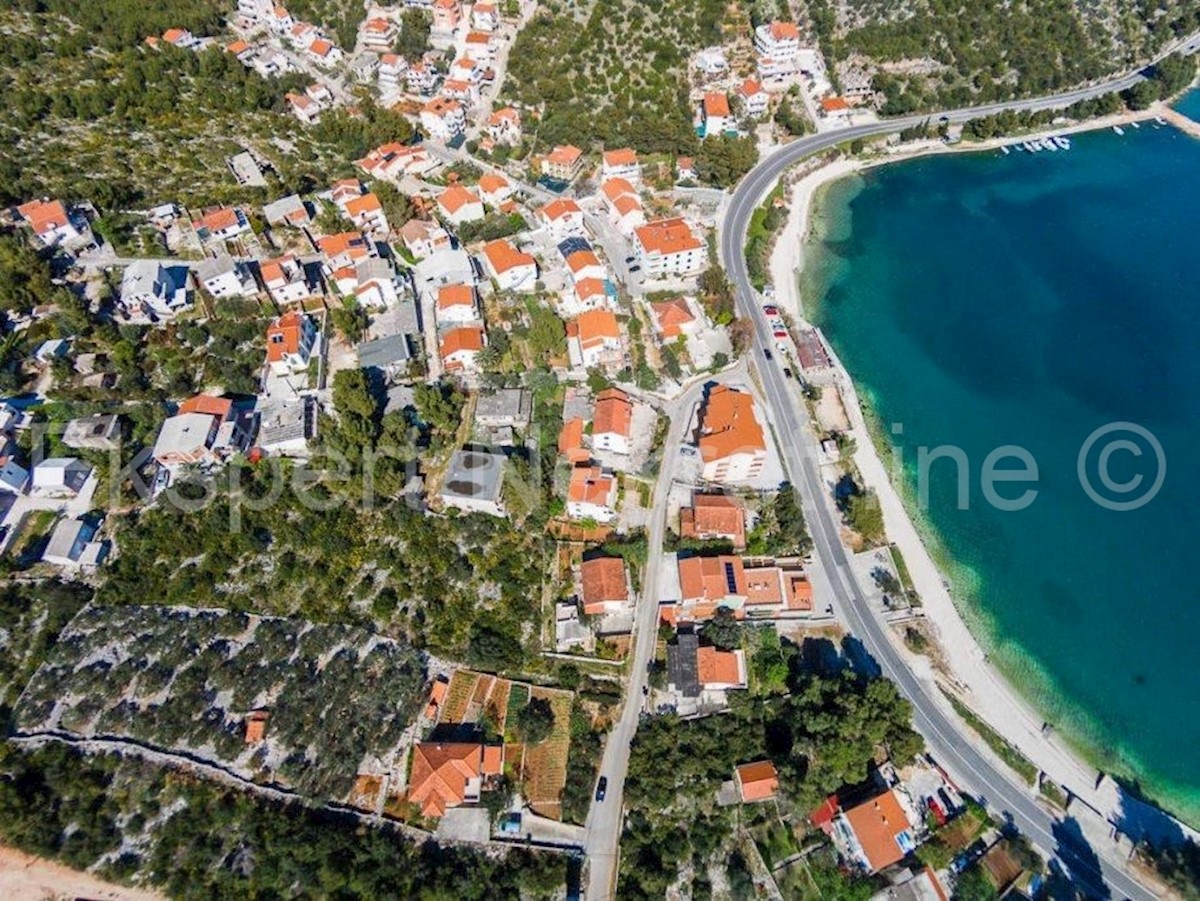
1004, 150
1063, 143
1135, 125
1031, 147
1160, 120
1118, 129
1049, 145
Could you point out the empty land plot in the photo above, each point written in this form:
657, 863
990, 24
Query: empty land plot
546, 762
458, 696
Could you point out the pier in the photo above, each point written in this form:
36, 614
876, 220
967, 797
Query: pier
1180, 121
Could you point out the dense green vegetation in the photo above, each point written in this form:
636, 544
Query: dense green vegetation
186, 680
195, 840
1179, 866
980, 52
824, 734
613, 72
31, 618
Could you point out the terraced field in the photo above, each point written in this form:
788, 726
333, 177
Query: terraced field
545, 764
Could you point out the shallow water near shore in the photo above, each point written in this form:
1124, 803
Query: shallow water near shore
982, 301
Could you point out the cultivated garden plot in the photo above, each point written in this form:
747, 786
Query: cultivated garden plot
186, 680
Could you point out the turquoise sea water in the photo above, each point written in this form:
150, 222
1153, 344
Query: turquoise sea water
983, 300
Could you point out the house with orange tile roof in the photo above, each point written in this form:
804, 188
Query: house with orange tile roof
707, 583
379, 34
594, 339
442, 119
731, 440
714, 517
286, 280
877, 833
494, 189
512, 269
753, 97
834, 106
366, 212
504, 126
592, 494
324, 52
458, 205
345, 249
256, 726
623, 204
180, 37
391, 162
459, 348
719, 671
424, 237
778, 40
562, 218
570, 441
456, 304
563, 163
462, 91
668, 247
673, 318
221, 224
305, 108
447, 14
604, 585
437, 696
206, 430
587, 294
685, 169
715, 116
391, 71
281, 20
450, 774
241, 50
292, 339
485, 16
584, 264
758, 781
622, 163
612, 422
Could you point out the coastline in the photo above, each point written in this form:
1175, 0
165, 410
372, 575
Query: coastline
971, 674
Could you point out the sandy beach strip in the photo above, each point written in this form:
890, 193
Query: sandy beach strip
971, 675
24, 877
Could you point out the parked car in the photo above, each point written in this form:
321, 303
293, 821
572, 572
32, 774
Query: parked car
779, 333
770, 310
601, 788
767, 354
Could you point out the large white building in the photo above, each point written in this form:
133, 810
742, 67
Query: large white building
669, 247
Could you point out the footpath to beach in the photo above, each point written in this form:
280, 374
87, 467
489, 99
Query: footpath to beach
24, 877
968, 672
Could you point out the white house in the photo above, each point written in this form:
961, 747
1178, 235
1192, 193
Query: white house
455, 304
623, 204
494, 189
754, 98
563, 219
152, 287
594, 339
71, 546
423, 237
285, 280
620, 164
668, 247
612, 421
60, 477
443, 119
391, 71
221, 224
512, 269
292, 339
458, 205
50, 221
778, 40
379, 34
715, 117
13, 476
592, 494
460, 347
222, 277
377, 284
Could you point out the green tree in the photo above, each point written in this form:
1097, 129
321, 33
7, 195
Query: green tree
723, 630
535, 721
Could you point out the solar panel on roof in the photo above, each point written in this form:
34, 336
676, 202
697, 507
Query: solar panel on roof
730, 579
573, 245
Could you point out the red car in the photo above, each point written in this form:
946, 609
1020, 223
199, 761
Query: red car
779, 333
771, 311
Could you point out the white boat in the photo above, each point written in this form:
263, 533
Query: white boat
1160, 120
1064, 143
1049, 145
1135, 125
1031, 146
1118, 129
1004, 150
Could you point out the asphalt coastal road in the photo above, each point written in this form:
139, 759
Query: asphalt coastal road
1091, 869
946, 739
